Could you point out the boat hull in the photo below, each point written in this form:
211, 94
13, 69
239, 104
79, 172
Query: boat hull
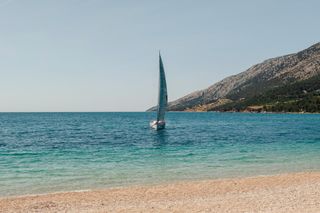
158, 125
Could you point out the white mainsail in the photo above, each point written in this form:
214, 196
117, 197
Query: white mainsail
163, 96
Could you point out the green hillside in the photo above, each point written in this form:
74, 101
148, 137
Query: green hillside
301, 96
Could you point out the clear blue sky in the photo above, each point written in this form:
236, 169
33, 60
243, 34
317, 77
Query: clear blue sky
98, 55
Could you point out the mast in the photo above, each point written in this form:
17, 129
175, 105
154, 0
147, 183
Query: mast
163, 96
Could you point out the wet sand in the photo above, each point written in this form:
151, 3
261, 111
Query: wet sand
299, 192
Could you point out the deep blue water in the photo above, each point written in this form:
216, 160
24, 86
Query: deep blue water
48, 152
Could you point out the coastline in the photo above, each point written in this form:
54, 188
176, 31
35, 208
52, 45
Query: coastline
244, 112
254, 112
292, 192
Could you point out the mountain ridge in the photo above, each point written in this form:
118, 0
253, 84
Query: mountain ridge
258, 79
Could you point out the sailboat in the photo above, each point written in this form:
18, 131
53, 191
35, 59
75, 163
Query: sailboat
162, 99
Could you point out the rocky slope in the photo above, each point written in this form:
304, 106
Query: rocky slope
255, 81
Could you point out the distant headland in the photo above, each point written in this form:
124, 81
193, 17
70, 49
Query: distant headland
289, 83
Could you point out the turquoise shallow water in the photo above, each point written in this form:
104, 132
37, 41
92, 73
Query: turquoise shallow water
49, 152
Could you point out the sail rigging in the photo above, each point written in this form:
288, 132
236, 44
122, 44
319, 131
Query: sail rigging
163, 95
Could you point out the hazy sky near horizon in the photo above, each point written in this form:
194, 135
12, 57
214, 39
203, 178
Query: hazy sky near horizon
99, 55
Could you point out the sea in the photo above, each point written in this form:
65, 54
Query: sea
54, 152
